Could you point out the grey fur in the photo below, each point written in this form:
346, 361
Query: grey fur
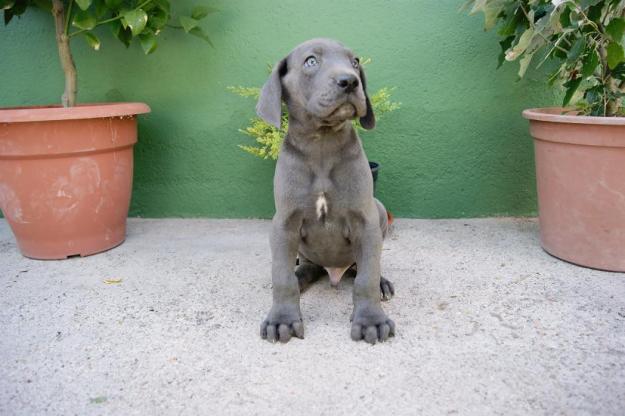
325, 210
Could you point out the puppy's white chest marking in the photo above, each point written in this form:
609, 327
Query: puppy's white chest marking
321, 206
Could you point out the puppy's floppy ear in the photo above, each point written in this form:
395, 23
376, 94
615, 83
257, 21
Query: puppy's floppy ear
368, 120
269, 106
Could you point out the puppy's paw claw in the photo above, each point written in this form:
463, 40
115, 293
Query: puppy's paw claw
387, 290
283, 322
372, 325
373, 333
282, 332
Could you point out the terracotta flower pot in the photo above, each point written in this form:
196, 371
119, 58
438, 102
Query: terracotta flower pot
375, 168
580, 174
66, 176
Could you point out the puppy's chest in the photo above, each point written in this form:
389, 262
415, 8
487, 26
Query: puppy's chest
325, 220
328, 196
320, 210
327, 202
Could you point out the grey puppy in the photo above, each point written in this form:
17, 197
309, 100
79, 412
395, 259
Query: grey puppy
323, 189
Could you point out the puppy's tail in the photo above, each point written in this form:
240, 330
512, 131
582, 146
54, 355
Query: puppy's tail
386, 219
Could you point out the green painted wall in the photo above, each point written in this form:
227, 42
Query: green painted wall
457, 148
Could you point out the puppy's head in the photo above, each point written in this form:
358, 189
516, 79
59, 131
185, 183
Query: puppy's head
319, 80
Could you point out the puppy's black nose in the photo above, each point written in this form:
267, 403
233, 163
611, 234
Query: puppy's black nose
348, 82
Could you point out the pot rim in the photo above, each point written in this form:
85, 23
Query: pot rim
81, 111
554, 115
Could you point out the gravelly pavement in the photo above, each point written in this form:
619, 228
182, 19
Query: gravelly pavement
488, 324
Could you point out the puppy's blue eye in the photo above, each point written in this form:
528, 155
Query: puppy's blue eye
310, 62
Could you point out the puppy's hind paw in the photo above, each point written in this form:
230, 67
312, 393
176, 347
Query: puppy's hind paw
387, 290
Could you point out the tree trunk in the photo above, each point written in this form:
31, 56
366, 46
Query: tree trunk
65, 54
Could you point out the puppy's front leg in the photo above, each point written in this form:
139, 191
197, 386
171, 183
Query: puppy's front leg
369, 321
284, 318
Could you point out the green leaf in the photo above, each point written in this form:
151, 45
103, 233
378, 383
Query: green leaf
123, 34
491, 13
505, 45
19, 7
43, 4
554, 76
541, 9
616, 28
565, 17
589, 3
84, 20
247, 92
158, 18
575, 18
8, 15
594, 97
200, 12
619, 71
148, 42
594, 12
561, 52
188, 23
114, 26
576, 49
521, 46
136, 20
510, 26
197, 31
83, 4
113, 4
163, 4
100, 9
571, 87
92, 40
616, 54
590, 62
524, 63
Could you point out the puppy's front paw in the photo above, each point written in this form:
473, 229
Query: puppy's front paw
282, 322
371, 324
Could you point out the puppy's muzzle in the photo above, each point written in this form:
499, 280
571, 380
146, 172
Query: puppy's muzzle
347, 82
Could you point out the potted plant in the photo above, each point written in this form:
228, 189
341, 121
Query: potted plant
66, 171
580, 146
269, 138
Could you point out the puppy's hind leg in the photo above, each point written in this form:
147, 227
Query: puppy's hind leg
308, 273
387, 289
385, 219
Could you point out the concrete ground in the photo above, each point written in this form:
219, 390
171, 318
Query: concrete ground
487, 324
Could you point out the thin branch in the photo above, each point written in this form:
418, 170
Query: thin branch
555, 46
68, 16
590, 22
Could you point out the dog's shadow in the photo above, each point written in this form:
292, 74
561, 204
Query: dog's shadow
323, 302
325, 298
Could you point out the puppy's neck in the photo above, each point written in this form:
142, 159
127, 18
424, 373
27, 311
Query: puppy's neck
321, 142
318, 129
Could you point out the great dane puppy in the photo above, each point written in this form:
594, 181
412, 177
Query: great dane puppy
323, 189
